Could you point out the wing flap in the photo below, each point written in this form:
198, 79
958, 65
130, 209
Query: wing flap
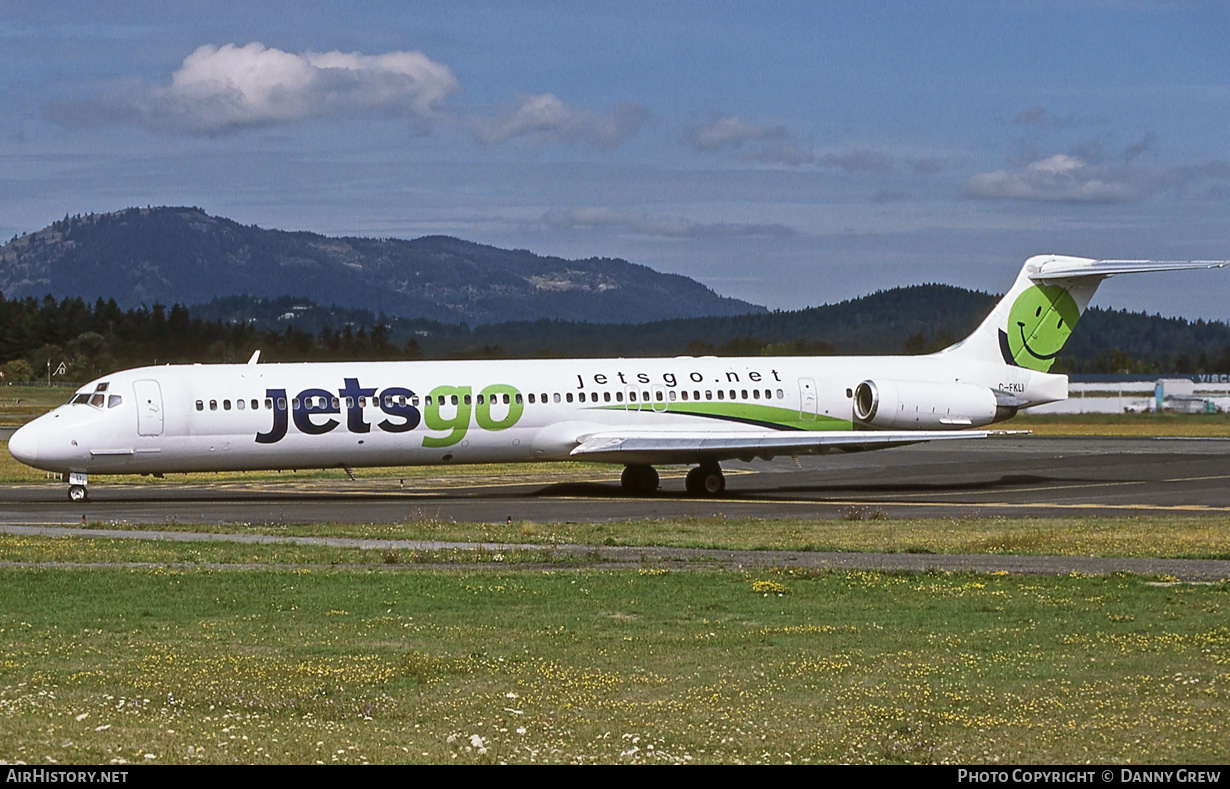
692, 447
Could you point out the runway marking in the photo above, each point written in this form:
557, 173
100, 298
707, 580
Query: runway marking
1032, 488
1062, 486
1204, 508
888, 503
1198, 479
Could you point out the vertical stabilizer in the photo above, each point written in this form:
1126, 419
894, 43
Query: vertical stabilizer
1032, 322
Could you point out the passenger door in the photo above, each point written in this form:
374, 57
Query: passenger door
149, 407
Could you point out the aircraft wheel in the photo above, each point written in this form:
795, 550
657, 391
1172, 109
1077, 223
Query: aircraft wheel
639, 480
705, 481
76, 493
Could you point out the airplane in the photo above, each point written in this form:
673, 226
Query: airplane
640, 413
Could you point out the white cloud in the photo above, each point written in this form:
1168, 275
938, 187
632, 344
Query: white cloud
219, 89
730, 131
659, 226
1059, 178
545, 117
748, 142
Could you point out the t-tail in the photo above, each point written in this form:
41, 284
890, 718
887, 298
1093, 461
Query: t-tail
1032, 322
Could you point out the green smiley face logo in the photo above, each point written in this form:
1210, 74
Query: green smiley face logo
1039, 323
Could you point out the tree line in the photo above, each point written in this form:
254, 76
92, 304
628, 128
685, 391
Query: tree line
72, 341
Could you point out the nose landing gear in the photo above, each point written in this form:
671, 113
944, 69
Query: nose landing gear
76, 486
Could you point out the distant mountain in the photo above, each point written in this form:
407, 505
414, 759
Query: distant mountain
183, 255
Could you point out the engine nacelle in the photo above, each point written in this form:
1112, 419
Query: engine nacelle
923, 405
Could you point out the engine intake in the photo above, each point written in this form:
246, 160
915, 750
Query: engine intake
923, 405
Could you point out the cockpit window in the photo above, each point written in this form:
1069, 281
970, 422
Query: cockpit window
114, 400
98, 399
81, 399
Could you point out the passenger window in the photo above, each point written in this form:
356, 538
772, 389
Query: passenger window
658, 396
556, 397
531, 398
226, 405
468, 400
518, 397
684, 394
619, 397
721, 395
744, 394
454, 400
213, 405
781, 395
672, 395
200, 406
239, 404
282, 403
256, 404
569, 397
507, 399
606, 396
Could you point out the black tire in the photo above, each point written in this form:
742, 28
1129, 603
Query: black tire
639, 480
705, 481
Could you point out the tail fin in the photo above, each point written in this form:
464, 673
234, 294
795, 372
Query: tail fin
1031, 323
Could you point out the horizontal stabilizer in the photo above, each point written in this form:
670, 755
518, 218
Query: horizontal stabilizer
1071, 268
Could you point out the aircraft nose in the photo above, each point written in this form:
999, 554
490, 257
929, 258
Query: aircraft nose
23, 445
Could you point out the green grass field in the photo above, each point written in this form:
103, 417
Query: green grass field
118, 666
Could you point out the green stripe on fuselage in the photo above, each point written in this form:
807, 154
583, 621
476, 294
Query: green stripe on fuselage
766, 416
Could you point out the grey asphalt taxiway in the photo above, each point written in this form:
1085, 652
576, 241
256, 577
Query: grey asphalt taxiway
1005, 476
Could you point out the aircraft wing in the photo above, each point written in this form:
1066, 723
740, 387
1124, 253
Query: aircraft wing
1069, 268
695, 447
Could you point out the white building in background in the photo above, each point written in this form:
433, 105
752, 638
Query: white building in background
1115, 394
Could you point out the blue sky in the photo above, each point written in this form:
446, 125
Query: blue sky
790, 154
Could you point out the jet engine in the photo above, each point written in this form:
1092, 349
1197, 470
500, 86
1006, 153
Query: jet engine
924, 405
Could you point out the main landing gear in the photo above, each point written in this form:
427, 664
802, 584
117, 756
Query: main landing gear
706, 480
639, 480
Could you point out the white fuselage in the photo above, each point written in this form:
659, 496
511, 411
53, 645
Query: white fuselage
315, 415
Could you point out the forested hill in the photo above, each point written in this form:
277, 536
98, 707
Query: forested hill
183, 255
